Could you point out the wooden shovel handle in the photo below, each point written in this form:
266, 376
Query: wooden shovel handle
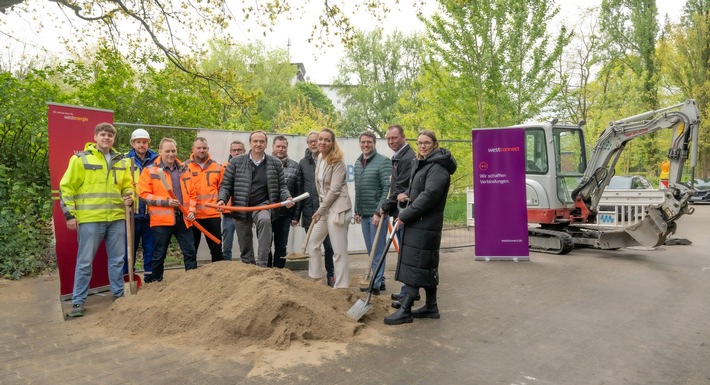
308, 235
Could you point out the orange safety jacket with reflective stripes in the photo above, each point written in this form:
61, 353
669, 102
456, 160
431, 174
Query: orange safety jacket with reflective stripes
206, 180
155, 193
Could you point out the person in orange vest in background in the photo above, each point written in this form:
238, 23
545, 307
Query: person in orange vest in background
236, 148
206, 177
144, 156
166, 219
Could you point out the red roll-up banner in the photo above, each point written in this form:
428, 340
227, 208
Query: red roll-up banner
69, 129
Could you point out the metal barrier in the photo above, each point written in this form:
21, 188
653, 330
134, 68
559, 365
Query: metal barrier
470, 221
621, 208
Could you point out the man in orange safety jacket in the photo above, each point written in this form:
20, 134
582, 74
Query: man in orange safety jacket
206, 177
166, 219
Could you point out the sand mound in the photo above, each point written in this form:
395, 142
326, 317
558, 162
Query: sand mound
231, 304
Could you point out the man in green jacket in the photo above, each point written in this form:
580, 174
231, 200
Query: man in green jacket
372, 173
94, 192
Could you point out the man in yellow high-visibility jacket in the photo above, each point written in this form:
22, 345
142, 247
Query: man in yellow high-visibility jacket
94, 190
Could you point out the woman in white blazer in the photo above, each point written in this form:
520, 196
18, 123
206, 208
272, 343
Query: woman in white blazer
334, 213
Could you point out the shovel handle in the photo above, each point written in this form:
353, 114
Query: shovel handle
259, 208
308, 235
380, 262
184, 212
129, 245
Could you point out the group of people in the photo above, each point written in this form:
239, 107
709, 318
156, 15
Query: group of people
187, 199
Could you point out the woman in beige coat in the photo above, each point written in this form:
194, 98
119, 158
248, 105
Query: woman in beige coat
334, 213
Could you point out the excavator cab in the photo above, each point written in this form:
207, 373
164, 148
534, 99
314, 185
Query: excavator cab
555, 160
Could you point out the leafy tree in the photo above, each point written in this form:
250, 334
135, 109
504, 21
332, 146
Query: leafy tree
501, 55
105, 80
631, 28
175, 28
684, 57
302, 117
375, 72
25, 223
313, 94
263, 76
575, 72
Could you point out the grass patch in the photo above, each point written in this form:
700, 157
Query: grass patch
455, 211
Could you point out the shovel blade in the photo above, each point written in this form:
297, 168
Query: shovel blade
359, 309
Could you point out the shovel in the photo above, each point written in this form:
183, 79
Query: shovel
130, 233
129, 240
259, 208
303, 254
361, 307
374, 248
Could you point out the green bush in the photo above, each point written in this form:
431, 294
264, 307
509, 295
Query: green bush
25, 229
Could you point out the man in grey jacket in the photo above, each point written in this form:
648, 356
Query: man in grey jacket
254, 179
372, 173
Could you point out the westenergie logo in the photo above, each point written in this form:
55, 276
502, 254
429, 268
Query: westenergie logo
79, 118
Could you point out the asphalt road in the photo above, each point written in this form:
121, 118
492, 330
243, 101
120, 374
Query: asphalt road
630, 316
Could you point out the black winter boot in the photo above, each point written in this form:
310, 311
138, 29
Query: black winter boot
399, 296
404, 314
430, 310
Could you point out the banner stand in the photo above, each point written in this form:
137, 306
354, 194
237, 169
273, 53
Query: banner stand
69, 128
499, 194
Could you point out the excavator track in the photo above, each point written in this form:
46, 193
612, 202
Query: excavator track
550, 241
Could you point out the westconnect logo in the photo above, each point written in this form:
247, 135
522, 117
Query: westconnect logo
505, 149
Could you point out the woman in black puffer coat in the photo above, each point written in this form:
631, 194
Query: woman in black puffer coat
423, 220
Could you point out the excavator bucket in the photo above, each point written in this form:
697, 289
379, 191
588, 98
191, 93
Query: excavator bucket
652, 230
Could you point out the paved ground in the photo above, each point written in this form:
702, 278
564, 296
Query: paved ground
592, 317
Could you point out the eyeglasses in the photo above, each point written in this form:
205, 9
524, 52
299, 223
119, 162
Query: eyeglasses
424, 144
313, 141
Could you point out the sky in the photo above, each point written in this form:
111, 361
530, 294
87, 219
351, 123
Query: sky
320, 62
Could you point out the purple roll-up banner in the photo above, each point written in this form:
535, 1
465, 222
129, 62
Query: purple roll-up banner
501, 230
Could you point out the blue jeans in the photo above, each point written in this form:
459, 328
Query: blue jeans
162, 240
142, 232
90, 236
227, 237
281, 227
368, 231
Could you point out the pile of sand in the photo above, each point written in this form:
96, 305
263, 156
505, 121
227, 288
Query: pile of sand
234, 305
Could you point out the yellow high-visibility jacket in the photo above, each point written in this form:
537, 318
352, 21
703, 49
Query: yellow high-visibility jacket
91, 190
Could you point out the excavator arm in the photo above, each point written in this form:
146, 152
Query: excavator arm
684, 120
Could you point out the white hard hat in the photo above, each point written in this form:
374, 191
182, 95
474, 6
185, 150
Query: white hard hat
140, 134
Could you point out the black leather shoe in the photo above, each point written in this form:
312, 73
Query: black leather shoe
396, 304
374, 291
383, 287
